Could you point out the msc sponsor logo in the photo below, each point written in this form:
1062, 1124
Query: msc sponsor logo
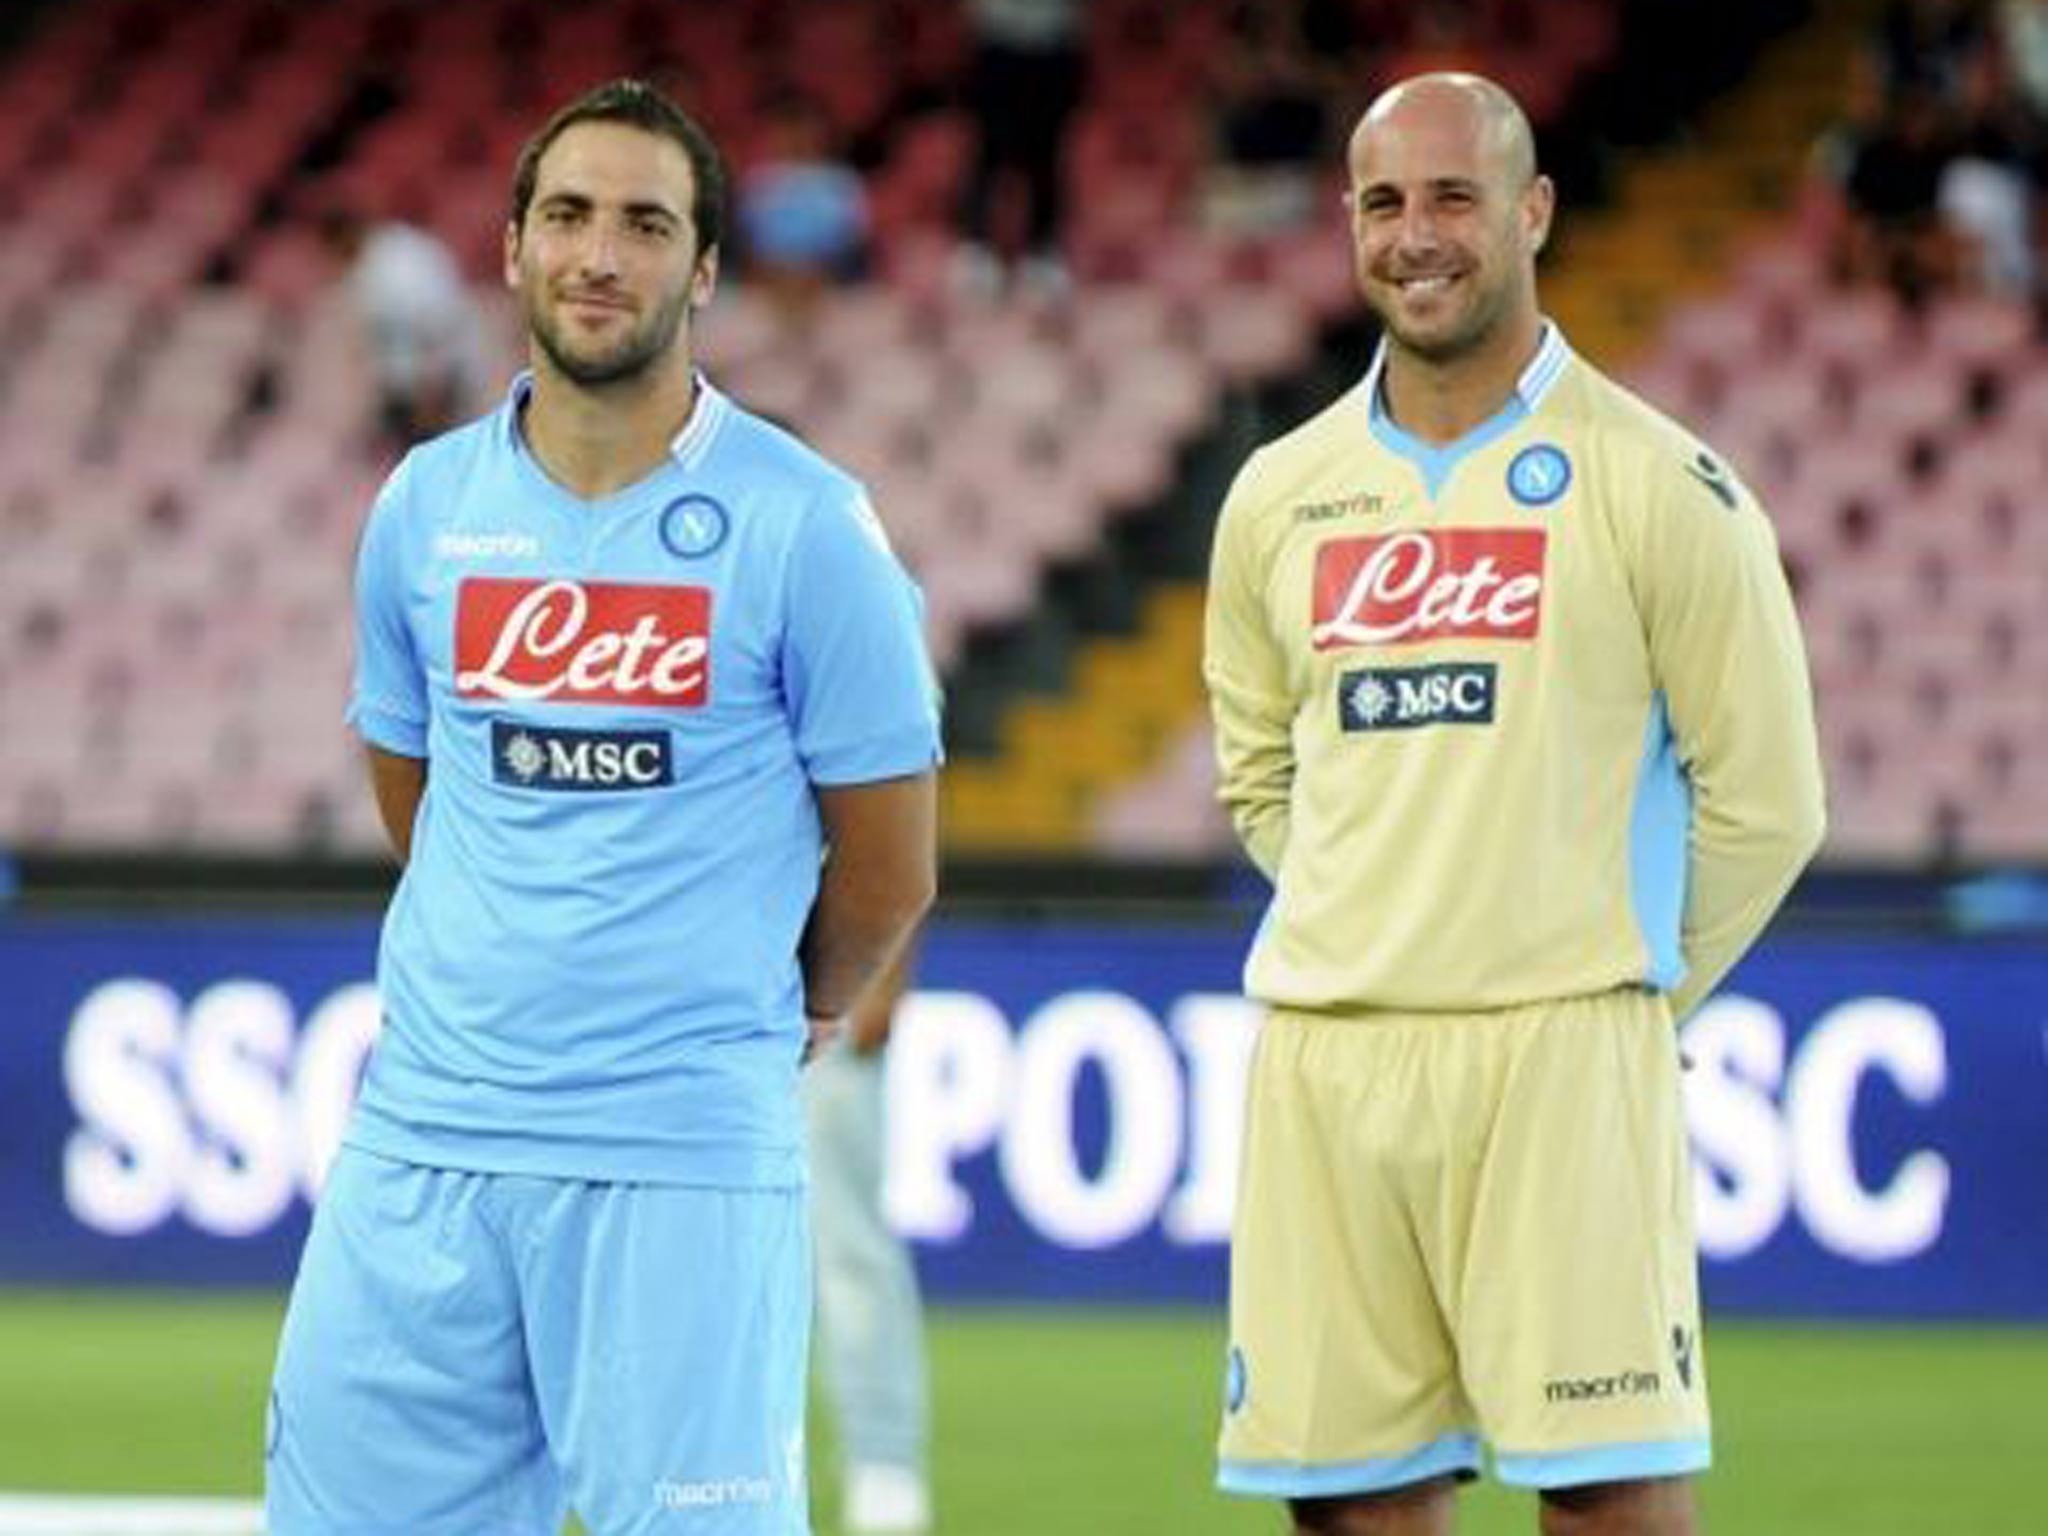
1401, 698
555, 757
575, 642
1428, 584
1583, 1389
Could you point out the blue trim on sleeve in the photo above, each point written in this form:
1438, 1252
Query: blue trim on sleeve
1607, 1463
1304, 1480
1659, 833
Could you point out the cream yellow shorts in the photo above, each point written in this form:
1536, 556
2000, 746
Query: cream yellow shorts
1459, 1232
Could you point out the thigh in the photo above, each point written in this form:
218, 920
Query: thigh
401, 1400
1580, 1327
669, 1329
1341, 1378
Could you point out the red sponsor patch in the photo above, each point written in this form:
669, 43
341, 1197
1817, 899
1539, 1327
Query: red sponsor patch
583, 642
1428, 584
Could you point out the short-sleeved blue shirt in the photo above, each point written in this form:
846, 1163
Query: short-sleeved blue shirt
590, 966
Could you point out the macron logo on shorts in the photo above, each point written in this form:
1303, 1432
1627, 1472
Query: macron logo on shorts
583, 642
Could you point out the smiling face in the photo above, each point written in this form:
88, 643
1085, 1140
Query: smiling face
605, 260
1447, 217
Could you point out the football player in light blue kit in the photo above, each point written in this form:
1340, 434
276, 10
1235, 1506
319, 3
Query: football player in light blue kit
651, 724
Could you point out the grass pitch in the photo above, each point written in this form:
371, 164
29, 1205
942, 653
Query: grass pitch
1057, 1421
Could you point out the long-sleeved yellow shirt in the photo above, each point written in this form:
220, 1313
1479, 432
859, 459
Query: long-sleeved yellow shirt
1518, 718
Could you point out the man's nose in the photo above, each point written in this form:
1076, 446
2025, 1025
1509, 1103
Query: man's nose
598, 254
1419, 227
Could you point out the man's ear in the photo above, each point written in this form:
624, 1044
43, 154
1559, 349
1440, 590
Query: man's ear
704, 281
1539, 205
511, 272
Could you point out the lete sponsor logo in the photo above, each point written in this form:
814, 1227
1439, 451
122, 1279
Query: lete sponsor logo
1429, 584
574, 642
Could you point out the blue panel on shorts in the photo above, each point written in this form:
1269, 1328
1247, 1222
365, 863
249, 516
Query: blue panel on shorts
1606, 1463
1301, 1480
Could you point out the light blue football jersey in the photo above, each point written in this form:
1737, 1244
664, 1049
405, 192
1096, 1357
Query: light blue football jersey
589, 969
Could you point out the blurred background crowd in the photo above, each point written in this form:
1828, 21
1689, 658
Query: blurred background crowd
1039, 271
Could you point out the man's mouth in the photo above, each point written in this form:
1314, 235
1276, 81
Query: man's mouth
1422, 285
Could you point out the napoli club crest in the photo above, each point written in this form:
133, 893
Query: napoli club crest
693, 526
1539, 474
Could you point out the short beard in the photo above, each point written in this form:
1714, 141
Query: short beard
633, 356
1447, 347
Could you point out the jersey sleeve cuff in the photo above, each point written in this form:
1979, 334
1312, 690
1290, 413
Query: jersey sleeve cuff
899, 755
389, 731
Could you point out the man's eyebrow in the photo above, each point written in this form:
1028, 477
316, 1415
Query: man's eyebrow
642, 210
1434, 184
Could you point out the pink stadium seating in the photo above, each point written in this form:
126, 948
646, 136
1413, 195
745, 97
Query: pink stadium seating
1900, 457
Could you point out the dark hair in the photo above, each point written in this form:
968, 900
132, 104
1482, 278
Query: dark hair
636, 104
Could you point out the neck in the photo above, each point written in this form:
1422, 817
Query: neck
1440, 401
596, 439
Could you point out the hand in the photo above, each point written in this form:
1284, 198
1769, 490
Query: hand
820, 1032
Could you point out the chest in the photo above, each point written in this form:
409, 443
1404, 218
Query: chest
1508, 561
663, 611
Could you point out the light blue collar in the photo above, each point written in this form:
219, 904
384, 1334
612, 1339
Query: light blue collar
688, 446
1436, 461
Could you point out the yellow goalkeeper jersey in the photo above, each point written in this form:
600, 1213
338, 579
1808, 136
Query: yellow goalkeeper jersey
1520, 717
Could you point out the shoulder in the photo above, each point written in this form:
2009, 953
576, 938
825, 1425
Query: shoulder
1642, 446
1280, 466
478, 447
821, 496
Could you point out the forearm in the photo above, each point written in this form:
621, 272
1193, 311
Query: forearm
1740, 874
398, 783
867, 1027
878, 881
1255, 774
1262, 828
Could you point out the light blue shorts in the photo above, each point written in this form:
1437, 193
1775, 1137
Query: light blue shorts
471, 1354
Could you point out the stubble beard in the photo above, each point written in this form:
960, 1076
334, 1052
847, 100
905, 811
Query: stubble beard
1468, 333
633, 355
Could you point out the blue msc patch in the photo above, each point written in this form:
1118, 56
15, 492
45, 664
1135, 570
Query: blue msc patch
1402, 698
1539, 474
694, 526
556, 757
1236, 1379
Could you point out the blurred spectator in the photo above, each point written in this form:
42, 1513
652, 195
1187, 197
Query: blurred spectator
803, 213
1443, 35
1025, 83
1891, 229
2023, 39
1272, 124
1931, 45
420, 323
1987, 192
